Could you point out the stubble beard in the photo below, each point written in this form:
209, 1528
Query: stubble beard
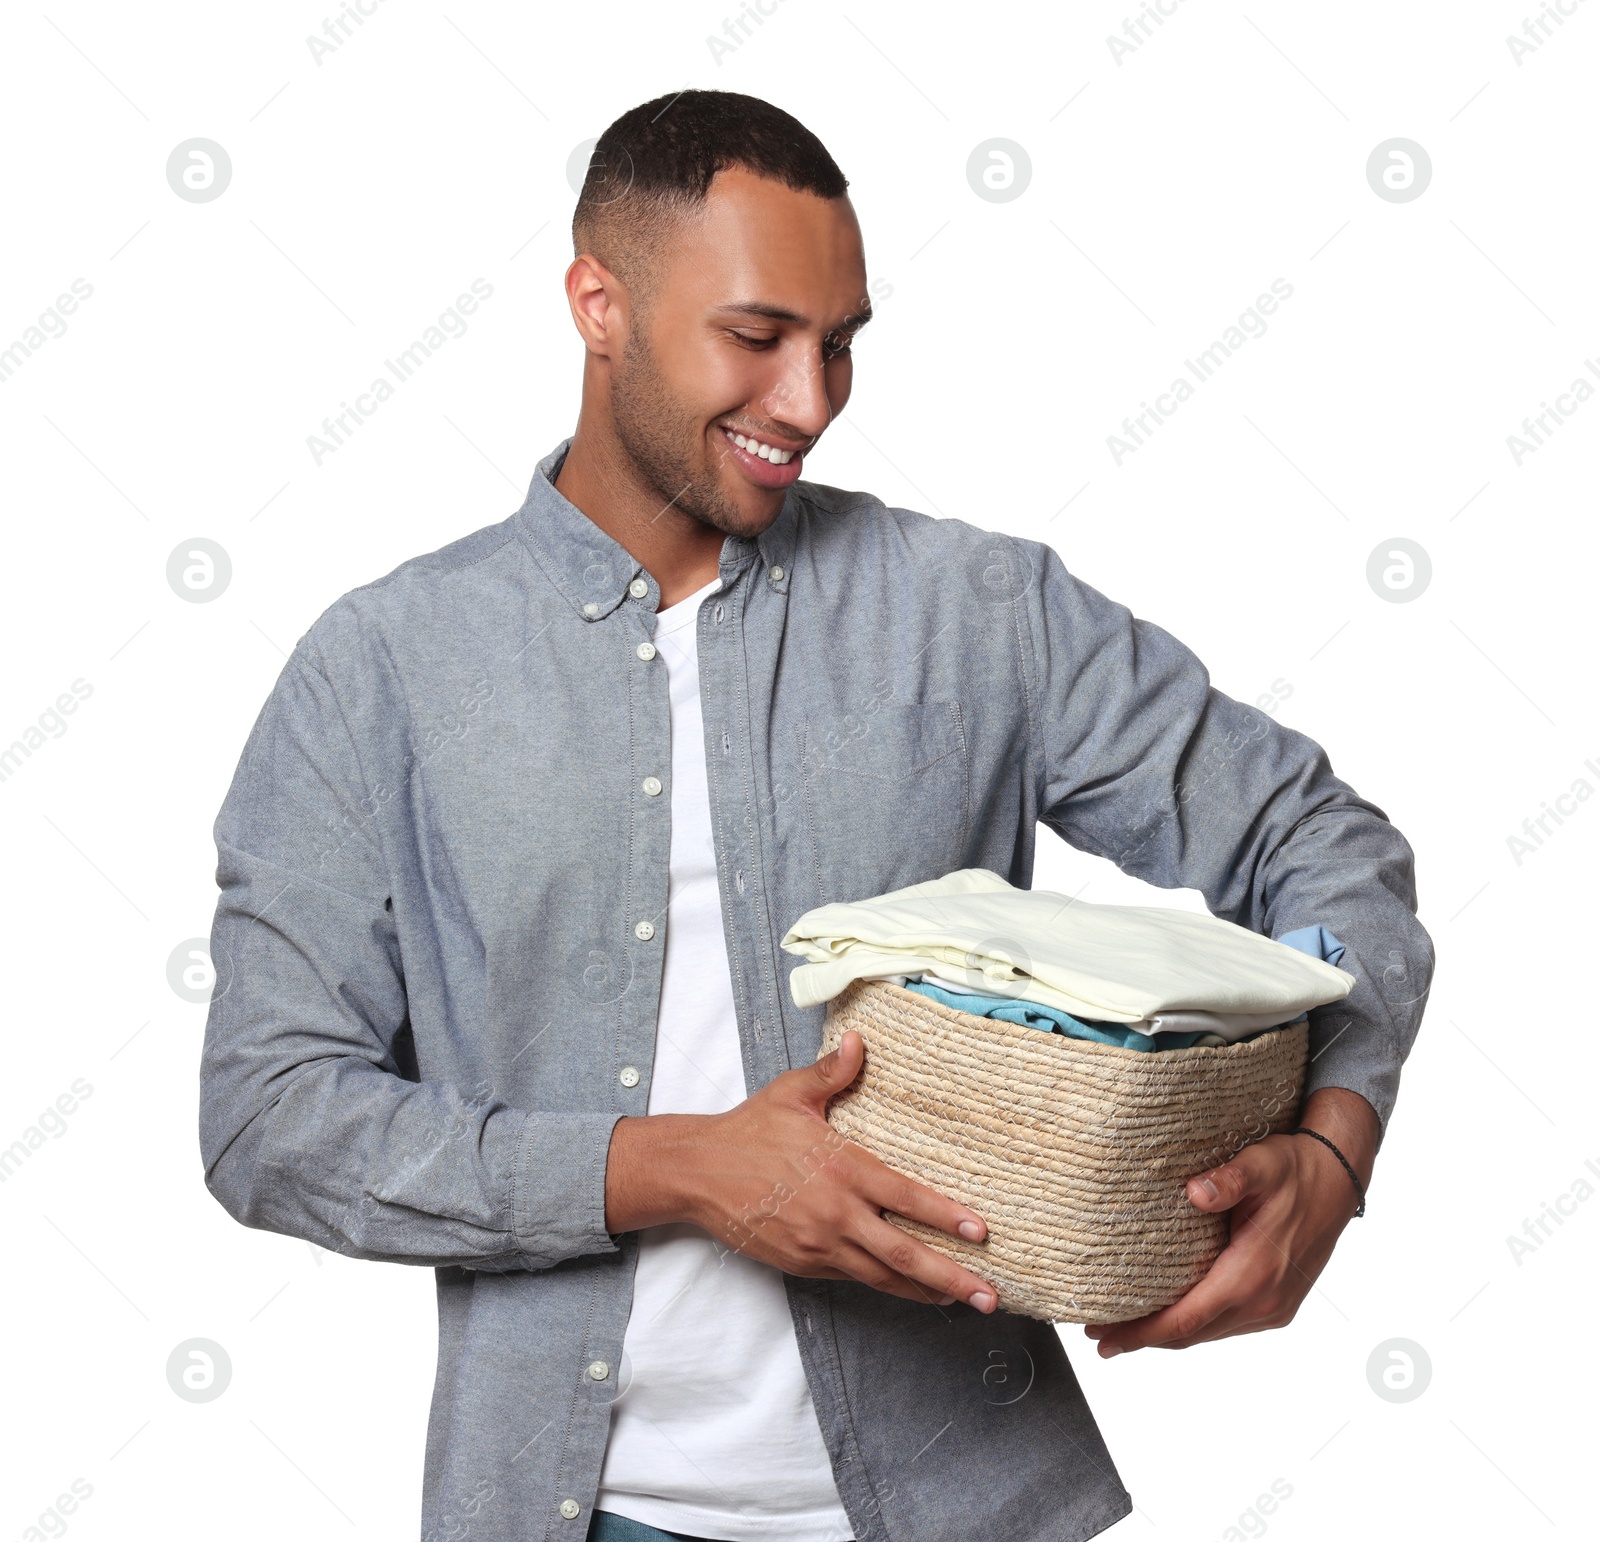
660, 440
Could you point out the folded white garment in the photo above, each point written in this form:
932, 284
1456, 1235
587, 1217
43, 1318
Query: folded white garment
1130, 964
1231, 1025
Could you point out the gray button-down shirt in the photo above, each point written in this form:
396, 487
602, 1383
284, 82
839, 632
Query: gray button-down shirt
444, 904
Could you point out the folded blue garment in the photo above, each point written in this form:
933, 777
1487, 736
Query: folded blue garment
1318, 941
1034, 1014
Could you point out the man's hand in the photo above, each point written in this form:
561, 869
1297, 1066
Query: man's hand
1289, 1199
773, 1180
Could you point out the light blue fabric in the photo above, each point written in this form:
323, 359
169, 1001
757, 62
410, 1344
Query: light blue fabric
1035, 1014
1318, 941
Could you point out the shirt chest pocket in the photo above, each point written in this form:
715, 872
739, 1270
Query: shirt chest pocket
885, 797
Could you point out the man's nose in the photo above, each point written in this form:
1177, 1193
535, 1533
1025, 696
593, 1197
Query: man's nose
798, 398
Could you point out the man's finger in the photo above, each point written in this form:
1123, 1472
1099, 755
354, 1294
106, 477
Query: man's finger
865, 1266
869, 1270
915, 1261
1219, 1189
888, 1190
1256, 1170
1229, 1282
833, 1072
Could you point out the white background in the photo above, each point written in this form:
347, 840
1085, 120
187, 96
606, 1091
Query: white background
1168, 190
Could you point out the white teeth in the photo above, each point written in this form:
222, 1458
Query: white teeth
763, 451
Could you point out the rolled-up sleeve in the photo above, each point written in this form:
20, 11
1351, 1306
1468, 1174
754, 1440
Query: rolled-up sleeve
1143, 762
310, 1124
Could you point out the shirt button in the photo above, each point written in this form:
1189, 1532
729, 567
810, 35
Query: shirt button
629, 1076
652, 785
644, 931
599, 1370
591, 609
570, 1509
646, 651
638, 588
776, 575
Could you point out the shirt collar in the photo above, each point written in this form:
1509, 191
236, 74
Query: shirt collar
596, 573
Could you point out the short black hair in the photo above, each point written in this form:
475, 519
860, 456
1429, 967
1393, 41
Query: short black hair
656, 162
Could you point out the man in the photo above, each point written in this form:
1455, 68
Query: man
510, 850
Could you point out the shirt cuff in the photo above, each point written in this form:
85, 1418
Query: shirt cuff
559, 1186
1356, 1057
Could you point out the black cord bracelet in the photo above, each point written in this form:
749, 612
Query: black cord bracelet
1361, 1193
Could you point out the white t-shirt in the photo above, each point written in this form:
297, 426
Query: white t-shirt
713, 1432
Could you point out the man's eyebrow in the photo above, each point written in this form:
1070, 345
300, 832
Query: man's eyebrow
851, 323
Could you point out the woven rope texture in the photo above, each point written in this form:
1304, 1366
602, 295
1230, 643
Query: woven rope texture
1075, 1154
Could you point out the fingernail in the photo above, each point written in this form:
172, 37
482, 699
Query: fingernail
1094, 1332
971, 1231
982, 1299
1208, 1188
946, 1300
1107, 1350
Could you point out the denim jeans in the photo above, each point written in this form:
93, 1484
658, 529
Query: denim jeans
607, 1527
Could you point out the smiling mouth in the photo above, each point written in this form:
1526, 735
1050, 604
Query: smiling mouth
760, 448
769, 466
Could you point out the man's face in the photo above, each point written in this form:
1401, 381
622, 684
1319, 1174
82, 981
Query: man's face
747, 332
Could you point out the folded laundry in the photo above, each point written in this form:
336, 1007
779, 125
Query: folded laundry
1137, 966
1188, 1027
1168, 1030
1034, 1014
1224, 1027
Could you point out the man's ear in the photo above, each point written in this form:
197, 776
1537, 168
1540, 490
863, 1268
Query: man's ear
599, 304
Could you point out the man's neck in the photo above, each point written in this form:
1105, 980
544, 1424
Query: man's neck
677, 550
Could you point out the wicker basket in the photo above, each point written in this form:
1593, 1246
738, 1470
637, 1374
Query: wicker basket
1074, 1153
